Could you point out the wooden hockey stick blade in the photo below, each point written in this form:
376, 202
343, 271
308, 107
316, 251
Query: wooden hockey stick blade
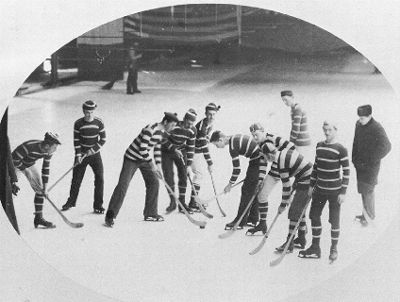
71, 224
201, 224
227, 234
262, 243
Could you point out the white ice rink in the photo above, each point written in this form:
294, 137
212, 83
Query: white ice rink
174, 260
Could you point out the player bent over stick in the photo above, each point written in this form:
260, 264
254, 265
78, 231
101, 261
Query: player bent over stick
138, 156
331, 158
204, 128
261, 137
291, 164
246, 146
24, 159
178, 149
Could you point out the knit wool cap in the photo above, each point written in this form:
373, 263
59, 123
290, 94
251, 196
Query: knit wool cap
268, 147
212, 107
52, 138
365, 110
89, 105
215, 136
286, 93
256, 126
171, 116
191, 115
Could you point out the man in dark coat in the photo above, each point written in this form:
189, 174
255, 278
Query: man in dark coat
370, 145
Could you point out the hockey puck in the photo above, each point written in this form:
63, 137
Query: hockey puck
202, 227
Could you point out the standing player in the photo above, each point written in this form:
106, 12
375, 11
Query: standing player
329, 181
137, 156
178, 149
370, 145
131, 82
204, 128
291, 164
261, 137
89, 137
24, 159
298, 133
246, 146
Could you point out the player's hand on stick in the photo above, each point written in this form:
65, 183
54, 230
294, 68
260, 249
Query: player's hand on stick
259, 185
78, 160
210, 168
281, 208
179, 154
341, 198
14, 189
89, 152
228, 188
310, 191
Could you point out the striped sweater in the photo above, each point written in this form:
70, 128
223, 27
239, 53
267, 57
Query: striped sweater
181, 138
331, 171
149, 138
281, 144
299, 133
292, 164
203, 136
88, 135
26, 154
246, 146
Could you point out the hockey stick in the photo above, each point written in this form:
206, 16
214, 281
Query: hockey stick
65, 174
201, 224
260, 246
216, 198
219, 194
196, 197
280, 258
230, 232
71, 224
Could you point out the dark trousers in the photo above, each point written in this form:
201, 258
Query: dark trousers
129, 168
131, 83
168, 160
248, 190
96, 163
317, 205
367, 192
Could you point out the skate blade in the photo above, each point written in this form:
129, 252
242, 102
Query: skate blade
256, 234
108, 225
309, 256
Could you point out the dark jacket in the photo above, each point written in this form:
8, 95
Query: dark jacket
370, 145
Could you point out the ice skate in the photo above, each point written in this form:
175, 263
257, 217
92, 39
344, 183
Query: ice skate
154, 218
194, 207
230, 225
67, 206
98, 210
170, 208
300, 243
259, 230
186, 208
109, 220
281, 248
333, 254
313, 252
362, 220
40, 221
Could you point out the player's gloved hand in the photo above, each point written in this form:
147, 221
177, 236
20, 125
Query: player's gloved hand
179, 154
89, 152
281, 208
14, 189
228, 188
78, 160
188, 171
210, 168
259, 185
340, 198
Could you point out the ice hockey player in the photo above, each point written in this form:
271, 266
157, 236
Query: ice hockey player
204, 129
89, 138
137, 156
329, 181
262, 137
243, 145
290, 164
24, 159
370, 145
178, 149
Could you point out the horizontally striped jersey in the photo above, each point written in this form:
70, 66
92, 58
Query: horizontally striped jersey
292, 164
26, 154
89, 135
331, 171
202, 138
246, 146
299, 133
181, 138
150, 137
280, 144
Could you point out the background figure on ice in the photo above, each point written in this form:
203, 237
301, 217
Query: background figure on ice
370, 145
246, 146
291, 164
24, 158
204, 129
138, 156
261, 137
329, 181
178, 149
89, 137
